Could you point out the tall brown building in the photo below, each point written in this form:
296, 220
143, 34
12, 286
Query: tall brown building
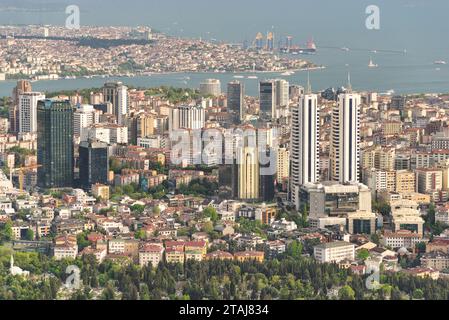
142, 125
22, 86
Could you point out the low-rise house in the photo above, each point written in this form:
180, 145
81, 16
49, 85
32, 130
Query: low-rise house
224, 229
116, 246
167, 233
72, 226
442, 215
226, 215
334, 251
438, 244
174, 255
436, 260
423, 272
196, 255
249, 241
109, 224
275, 248
219, 255
100, 254
200, 236
131, 248
200, 246
284, 225
23, 204
151, 253
381, 252
43, 229
249, 255
400, 239
358, 269
19, 229
65, 247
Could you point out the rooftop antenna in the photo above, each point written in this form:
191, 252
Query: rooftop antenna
309, 87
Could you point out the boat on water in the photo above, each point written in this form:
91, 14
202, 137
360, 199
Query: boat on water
440, 62
371, 64
345, 49
287, 73
253, 77
239, 77
388, 93
310, 48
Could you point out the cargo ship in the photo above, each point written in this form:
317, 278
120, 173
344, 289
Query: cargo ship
309, 49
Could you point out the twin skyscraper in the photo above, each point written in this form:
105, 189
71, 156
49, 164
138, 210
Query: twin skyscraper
305, 141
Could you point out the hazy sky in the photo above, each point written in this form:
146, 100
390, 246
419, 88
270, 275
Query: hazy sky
402, 21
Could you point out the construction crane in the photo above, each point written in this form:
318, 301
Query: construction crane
21, 173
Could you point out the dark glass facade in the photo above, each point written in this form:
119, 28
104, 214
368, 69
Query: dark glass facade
235, 99
361, 226
93, 163
410, 227
266, 186
336, 203
267, 98
55, 144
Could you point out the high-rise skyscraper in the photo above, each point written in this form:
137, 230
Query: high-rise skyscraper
142, 125
55, 143
267, 178
21, 87
187, 117
282, 93
93, 163
304, 144
345, 144
28, 111
248, 174
236, 95
117, 94
267, 96
283, 164
84, 116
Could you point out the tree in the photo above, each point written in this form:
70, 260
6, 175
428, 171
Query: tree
304, 216
137, 208
385, 291
375, 238
382, 207
346, 293
208, 227
108, 293
396, 294
6, 232
294, 249
82, 241
156, 210
418, 294
211, 213
430, 218
140, 234
363, 254
29, 235
421, 247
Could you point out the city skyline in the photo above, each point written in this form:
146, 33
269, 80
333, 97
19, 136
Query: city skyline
300, 152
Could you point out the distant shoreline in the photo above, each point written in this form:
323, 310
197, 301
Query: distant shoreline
167, 73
